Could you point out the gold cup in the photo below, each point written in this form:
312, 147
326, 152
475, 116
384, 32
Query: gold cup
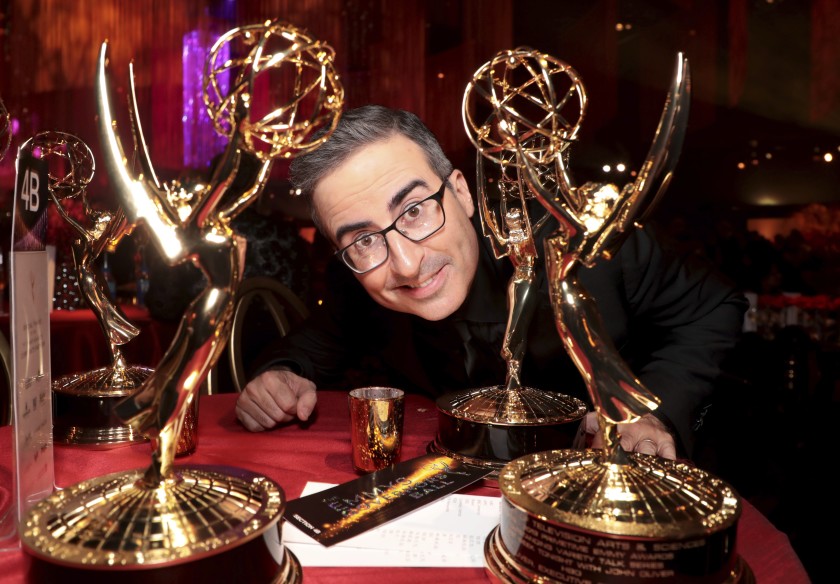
376, 426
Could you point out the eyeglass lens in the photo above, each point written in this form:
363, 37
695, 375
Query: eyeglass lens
415, 223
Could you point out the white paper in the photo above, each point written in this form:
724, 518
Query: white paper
447, 533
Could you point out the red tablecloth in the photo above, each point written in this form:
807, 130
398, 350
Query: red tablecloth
320, 451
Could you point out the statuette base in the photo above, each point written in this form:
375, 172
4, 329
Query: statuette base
581, 515
205, 524
491, 426
84, 407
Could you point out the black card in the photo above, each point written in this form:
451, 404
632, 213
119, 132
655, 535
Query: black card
354, 507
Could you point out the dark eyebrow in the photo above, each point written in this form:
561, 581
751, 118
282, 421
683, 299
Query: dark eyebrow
345, 229
397, 199
395, 202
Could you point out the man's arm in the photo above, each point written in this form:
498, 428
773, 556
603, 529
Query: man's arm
686, 318
316, 353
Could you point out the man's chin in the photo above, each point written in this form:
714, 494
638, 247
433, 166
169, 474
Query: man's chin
428, 310
434, 316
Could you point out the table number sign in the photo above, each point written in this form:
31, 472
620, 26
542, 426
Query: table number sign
30, 333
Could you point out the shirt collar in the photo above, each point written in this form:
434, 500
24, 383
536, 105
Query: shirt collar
487, 298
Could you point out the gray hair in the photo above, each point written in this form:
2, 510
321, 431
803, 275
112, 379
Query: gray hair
357, 128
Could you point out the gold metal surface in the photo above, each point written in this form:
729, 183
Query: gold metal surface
533, 109
376, 426
167, 516
537, 104
89, 398
589, 515
195, 226
524, 405
98, 382
502, 567
490, 426
188, 438
101, 231
105, 522
507, 221
595, 219
650, 497
513, 238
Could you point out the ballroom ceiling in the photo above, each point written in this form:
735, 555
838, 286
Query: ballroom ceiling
765, 110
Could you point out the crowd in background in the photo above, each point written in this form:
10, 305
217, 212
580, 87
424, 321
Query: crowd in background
768, 426
786, 264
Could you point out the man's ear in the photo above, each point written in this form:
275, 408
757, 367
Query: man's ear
462, 192
316, 219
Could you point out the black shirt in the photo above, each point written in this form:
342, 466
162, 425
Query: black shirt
672, 321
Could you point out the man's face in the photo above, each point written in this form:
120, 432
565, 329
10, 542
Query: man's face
367, 192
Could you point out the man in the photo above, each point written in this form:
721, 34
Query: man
419, 289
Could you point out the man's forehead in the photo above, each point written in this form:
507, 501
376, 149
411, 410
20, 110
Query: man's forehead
369, 180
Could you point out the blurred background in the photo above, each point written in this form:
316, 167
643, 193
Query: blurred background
756, 189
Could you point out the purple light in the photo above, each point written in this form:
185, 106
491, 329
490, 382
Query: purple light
201, 142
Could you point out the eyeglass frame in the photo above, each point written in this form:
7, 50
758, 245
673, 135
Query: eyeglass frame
436, 197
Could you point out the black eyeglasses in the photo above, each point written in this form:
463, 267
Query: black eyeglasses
419, 221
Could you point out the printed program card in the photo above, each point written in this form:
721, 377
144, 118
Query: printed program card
374, 499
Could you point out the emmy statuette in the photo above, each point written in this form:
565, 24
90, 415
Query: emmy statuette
601, 515
193, 523
84, 401
490, 426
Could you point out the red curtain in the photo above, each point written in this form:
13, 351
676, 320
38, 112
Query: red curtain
49, 50
825, 55
738, 37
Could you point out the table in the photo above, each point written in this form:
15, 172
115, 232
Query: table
319, 450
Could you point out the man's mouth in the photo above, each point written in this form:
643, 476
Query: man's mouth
422, 284
429, 285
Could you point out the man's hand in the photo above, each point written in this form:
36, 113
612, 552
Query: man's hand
275, 397
648, 435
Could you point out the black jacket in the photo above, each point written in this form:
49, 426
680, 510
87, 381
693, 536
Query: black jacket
672, 321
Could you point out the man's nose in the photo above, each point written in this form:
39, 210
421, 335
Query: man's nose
406, 255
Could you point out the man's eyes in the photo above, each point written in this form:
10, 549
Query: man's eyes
413, 210
364, 241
